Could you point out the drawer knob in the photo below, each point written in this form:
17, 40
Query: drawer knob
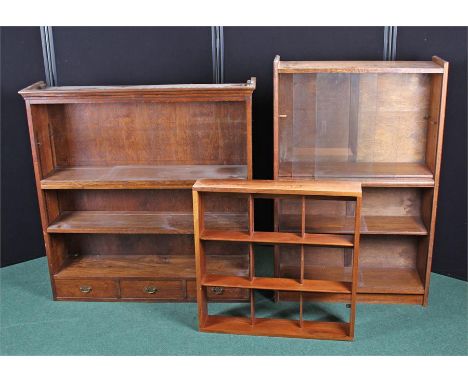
85, 289
151, 289
217, 290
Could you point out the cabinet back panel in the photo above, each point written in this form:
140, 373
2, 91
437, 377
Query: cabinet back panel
375, 202
148, 133
109, 244
388, 252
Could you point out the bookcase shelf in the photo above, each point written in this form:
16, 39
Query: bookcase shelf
280, 238
370, 225
300, 283
278, 327
273, 283
114, 168
377, 123
371, 280
138, 177
145, 266
139, 222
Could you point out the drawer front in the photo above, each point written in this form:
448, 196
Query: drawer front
218, 293
154, 289
86, 288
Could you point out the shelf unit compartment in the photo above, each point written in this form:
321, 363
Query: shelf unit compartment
134, 212
137, 256
277, 327
388, 265
389, 211
351, 125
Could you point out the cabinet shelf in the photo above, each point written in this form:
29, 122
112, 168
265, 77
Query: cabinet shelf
146, 266
139, 222
371, 280
277, 327
371, 174
138, 177
370, 225
279, 238
271, 283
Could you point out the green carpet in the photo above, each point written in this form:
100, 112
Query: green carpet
33, 324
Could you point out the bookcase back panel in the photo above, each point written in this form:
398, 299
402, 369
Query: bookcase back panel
340, 124
314, 256
148, 133
163, 246
376, 252
388, 252
126, 200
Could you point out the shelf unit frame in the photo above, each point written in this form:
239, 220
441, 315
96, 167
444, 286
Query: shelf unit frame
350, 191
423, 176
58, 114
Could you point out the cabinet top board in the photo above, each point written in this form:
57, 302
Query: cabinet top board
437, 65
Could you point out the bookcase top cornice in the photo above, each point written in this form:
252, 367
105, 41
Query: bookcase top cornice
40, 91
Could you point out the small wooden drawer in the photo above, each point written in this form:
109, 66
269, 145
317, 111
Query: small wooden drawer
86, 288
217, 293
154, 289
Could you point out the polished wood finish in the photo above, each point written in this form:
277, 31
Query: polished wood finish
378, 123
302, 191
114, 169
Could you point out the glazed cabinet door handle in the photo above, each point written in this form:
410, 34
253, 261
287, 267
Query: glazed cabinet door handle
151, 289
85, 289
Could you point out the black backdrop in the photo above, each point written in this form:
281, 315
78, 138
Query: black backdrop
154, 55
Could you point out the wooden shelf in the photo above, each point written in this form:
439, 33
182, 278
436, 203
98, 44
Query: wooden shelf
138, 177
137, 222
279, 238
371, 280
277, 328
391, 280
369, 174
370, 225
331, 188
147, 266
271, 283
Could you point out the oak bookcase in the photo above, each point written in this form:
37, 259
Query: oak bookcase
379, 123
301, 192
114, 168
